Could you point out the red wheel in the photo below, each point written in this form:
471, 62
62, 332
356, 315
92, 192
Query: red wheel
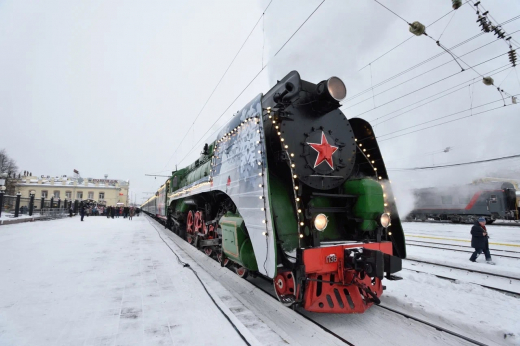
189, 222
219, 259
242, 272
199, 225
285, 287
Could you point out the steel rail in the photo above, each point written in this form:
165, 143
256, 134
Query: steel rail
457, 245
442, 329
444, 248
465, 269
510, 293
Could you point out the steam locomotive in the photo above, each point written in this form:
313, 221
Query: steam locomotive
294, 191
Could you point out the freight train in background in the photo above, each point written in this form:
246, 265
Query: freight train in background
487, 198
294, 191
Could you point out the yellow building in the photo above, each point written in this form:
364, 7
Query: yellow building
107, 192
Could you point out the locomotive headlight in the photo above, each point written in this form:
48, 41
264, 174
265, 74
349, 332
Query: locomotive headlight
336, 88
385, 220
320, 222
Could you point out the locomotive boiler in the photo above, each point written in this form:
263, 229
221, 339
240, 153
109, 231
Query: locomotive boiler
293, 190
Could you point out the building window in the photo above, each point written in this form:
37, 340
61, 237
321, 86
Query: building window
45, 193
101, 195
91, 195
79, 195
56, 194
68, 194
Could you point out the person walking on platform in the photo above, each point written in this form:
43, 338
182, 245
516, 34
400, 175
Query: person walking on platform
131, 213
112, 212
82, 211
479, 240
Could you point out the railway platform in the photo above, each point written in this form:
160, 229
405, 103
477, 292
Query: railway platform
111, 282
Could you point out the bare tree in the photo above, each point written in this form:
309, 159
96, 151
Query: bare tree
8, 165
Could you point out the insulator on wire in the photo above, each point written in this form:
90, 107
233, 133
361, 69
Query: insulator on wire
513, 99
456, 4
417, 28
484, 23
512, 56
488, 81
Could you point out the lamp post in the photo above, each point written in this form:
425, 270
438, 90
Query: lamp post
17, 204
3, 176
31, 203
2, 191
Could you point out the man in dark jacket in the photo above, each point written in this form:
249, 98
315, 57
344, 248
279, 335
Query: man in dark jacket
82, 211
479, 240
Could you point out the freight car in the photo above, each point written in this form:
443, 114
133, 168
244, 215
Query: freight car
293, 190
492, 200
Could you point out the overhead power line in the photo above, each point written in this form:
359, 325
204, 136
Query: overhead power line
427, 86
409, 38
455, 164
216, 86
419, 75
423, 62
447, 91
248, 84
450, 121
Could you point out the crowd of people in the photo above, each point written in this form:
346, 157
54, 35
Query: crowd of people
109, 212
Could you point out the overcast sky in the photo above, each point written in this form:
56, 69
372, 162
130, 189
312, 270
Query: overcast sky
111, 87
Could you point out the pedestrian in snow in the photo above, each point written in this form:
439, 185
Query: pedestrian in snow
70, 210
82, 211
131, 214
479, 240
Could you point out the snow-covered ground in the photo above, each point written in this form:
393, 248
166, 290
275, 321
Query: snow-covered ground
10, 216
471, 309
111, 282
103, 282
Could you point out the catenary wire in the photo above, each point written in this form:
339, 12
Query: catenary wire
424, 104
294, 33
424, 62
442, 117
218, 83
492, 72
409, 38
247, 86
447, 122
420, 75
455, 164
424, 87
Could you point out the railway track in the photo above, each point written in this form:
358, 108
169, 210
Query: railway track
456, 245
268, 289
460, 250
509, 285
437, 327
501, 224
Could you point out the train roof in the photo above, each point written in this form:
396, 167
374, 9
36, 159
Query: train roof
498, 185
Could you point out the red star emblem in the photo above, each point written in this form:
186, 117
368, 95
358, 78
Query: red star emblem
325, 151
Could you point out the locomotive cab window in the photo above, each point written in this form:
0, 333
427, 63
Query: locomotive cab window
493, 198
